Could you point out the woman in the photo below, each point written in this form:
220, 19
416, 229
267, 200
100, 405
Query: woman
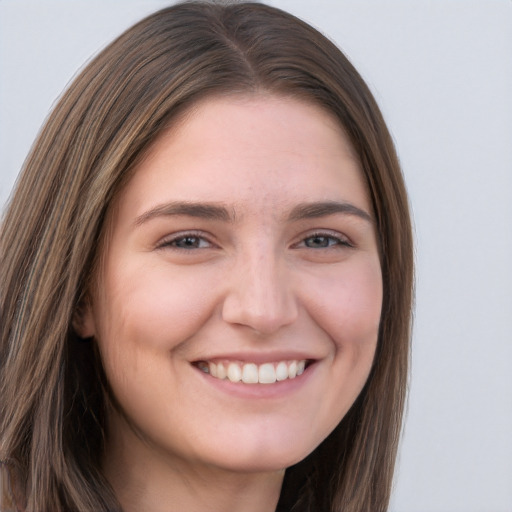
207, 279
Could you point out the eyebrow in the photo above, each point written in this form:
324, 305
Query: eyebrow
213, 211
198, 210
325, 208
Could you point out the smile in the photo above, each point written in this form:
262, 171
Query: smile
251, 373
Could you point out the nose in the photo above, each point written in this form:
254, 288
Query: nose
260, 294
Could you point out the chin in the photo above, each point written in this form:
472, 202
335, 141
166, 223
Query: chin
264, 455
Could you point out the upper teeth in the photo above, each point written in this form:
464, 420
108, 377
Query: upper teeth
251, 373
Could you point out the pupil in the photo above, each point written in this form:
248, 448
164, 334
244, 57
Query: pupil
188, 241
318, 241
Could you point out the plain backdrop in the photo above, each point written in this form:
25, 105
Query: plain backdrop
442, 72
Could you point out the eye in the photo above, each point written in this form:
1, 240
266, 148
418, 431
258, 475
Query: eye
186, 241
324, 241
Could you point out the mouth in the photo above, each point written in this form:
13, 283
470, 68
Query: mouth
252, 373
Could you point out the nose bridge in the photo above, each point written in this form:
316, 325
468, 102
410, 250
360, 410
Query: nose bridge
260, 294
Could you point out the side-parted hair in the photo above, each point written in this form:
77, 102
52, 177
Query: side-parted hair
53, 394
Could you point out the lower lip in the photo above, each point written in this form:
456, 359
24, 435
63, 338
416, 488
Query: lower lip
279, 389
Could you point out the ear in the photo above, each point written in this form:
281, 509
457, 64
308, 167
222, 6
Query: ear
83, 320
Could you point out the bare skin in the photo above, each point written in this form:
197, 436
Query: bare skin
237, 307
166, 485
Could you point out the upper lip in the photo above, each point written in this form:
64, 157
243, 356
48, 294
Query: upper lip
259, 357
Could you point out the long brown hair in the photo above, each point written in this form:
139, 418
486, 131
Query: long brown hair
52, 387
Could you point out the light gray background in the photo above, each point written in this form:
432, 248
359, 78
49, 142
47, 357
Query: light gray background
442, 73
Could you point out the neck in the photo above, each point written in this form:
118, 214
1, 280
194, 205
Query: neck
144, 479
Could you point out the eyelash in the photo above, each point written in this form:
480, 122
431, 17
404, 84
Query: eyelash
169, 242
339, 241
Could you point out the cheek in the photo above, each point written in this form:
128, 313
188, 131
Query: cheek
349, 307
152, 307
145, 312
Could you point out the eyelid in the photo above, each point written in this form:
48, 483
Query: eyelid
167, 240
344, 240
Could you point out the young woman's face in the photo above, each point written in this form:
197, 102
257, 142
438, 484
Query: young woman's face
239, 299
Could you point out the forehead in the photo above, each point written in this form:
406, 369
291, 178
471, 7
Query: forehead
259, 149
259, 122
